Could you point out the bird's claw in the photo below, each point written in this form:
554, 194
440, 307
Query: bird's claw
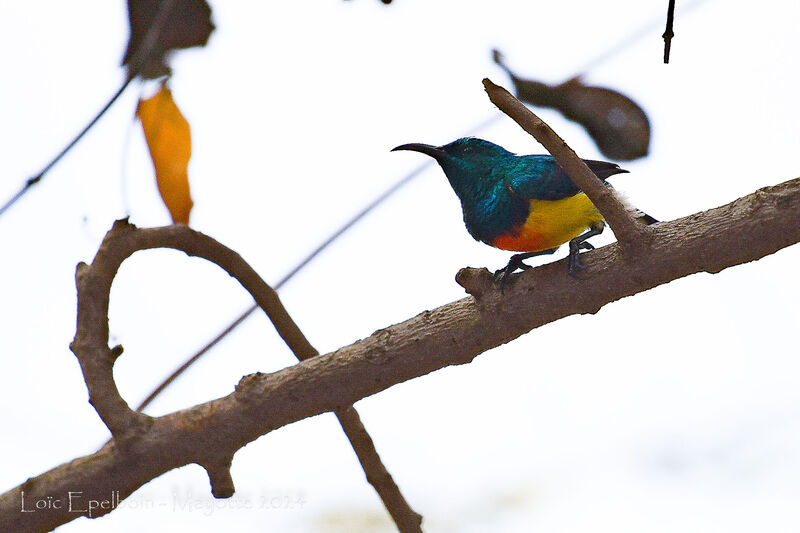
516, 263
580, 243
501, 276
574, 264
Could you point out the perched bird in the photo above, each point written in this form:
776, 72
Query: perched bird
520, 203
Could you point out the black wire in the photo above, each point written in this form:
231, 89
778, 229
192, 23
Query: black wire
37, 178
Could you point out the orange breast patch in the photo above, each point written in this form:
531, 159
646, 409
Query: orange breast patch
550, 224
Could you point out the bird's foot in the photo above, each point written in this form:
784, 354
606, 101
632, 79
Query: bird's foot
574, 264
501, 276
515, 263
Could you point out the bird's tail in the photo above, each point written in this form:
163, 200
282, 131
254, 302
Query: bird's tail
604, 169
636, 213
642, 217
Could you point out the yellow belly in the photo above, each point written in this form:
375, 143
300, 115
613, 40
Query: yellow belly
551, 224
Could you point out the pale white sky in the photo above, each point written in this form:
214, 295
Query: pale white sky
678, 408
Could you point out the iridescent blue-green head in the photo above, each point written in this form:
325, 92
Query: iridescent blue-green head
465, 161
478, 171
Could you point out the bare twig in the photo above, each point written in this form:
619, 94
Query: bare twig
761, 223
668, 33
630, 233
94, 282
645, 31
91, 348
381, 480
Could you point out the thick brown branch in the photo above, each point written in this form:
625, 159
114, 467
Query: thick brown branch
630, 233
744, 230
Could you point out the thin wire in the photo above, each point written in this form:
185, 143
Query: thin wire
37, 178
142, 53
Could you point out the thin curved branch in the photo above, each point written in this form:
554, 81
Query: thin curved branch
91, 348
94, 283
741, 231
629, 233
377, 475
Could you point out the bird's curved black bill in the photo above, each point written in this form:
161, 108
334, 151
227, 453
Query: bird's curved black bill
427, 149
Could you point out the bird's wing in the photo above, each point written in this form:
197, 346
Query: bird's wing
538, 177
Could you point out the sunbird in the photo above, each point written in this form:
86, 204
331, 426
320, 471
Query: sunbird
521, 203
